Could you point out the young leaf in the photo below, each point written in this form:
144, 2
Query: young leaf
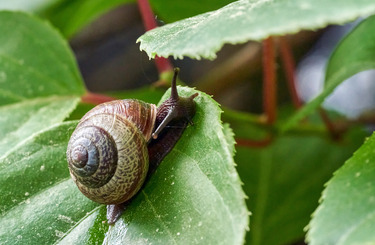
244, 20
35, 61
355, 53
347, 213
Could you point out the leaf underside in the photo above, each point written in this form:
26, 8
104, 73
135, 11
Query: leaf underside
203, 35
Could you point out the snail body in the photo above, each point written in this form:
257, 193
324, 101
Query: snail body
108, 153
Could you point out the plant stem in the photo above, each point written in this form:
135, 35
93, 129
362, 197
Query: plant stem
147, 14
254, 143
244, 63
269, 94
269, 80
96, 99
335, 135
162, 64
289, 67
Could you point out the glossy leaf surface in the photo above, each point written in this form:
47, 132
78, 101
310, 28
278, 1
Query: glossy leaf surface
20, 120
32, 70
31, 66
39, 200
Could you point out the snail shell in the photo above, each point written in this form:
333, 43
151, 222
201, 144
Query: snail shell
110, 134
111, 154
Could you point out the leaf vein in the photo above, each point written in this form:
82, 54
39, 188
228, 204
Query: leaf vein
215, 188
158, 216
12, 95
355, 227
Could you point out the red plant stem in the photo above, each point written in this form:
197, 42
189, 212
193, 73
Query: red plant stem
96, 99
254, 143
147, 15
269, 80
289, 67
162, 64
329, 124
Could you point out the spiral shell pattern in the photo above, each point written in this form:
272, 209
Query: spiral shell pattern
107, 152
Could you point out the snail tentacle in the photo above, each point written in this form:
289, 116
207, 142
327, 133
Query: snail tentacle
174, 108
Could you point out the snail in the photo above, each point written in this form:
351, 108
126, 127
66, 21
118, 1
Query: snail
118, 145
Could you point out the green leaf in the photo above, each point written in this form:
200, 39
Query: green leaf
355, 53
195, 193
40, 85
29, 72
35, 61
284, 182
90, 230
229, 137
39, 201
67, 15
171, 11
37, 161
46, 217
26, 5
19, 121
244, 20
195, 196
70, 16
346, 215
